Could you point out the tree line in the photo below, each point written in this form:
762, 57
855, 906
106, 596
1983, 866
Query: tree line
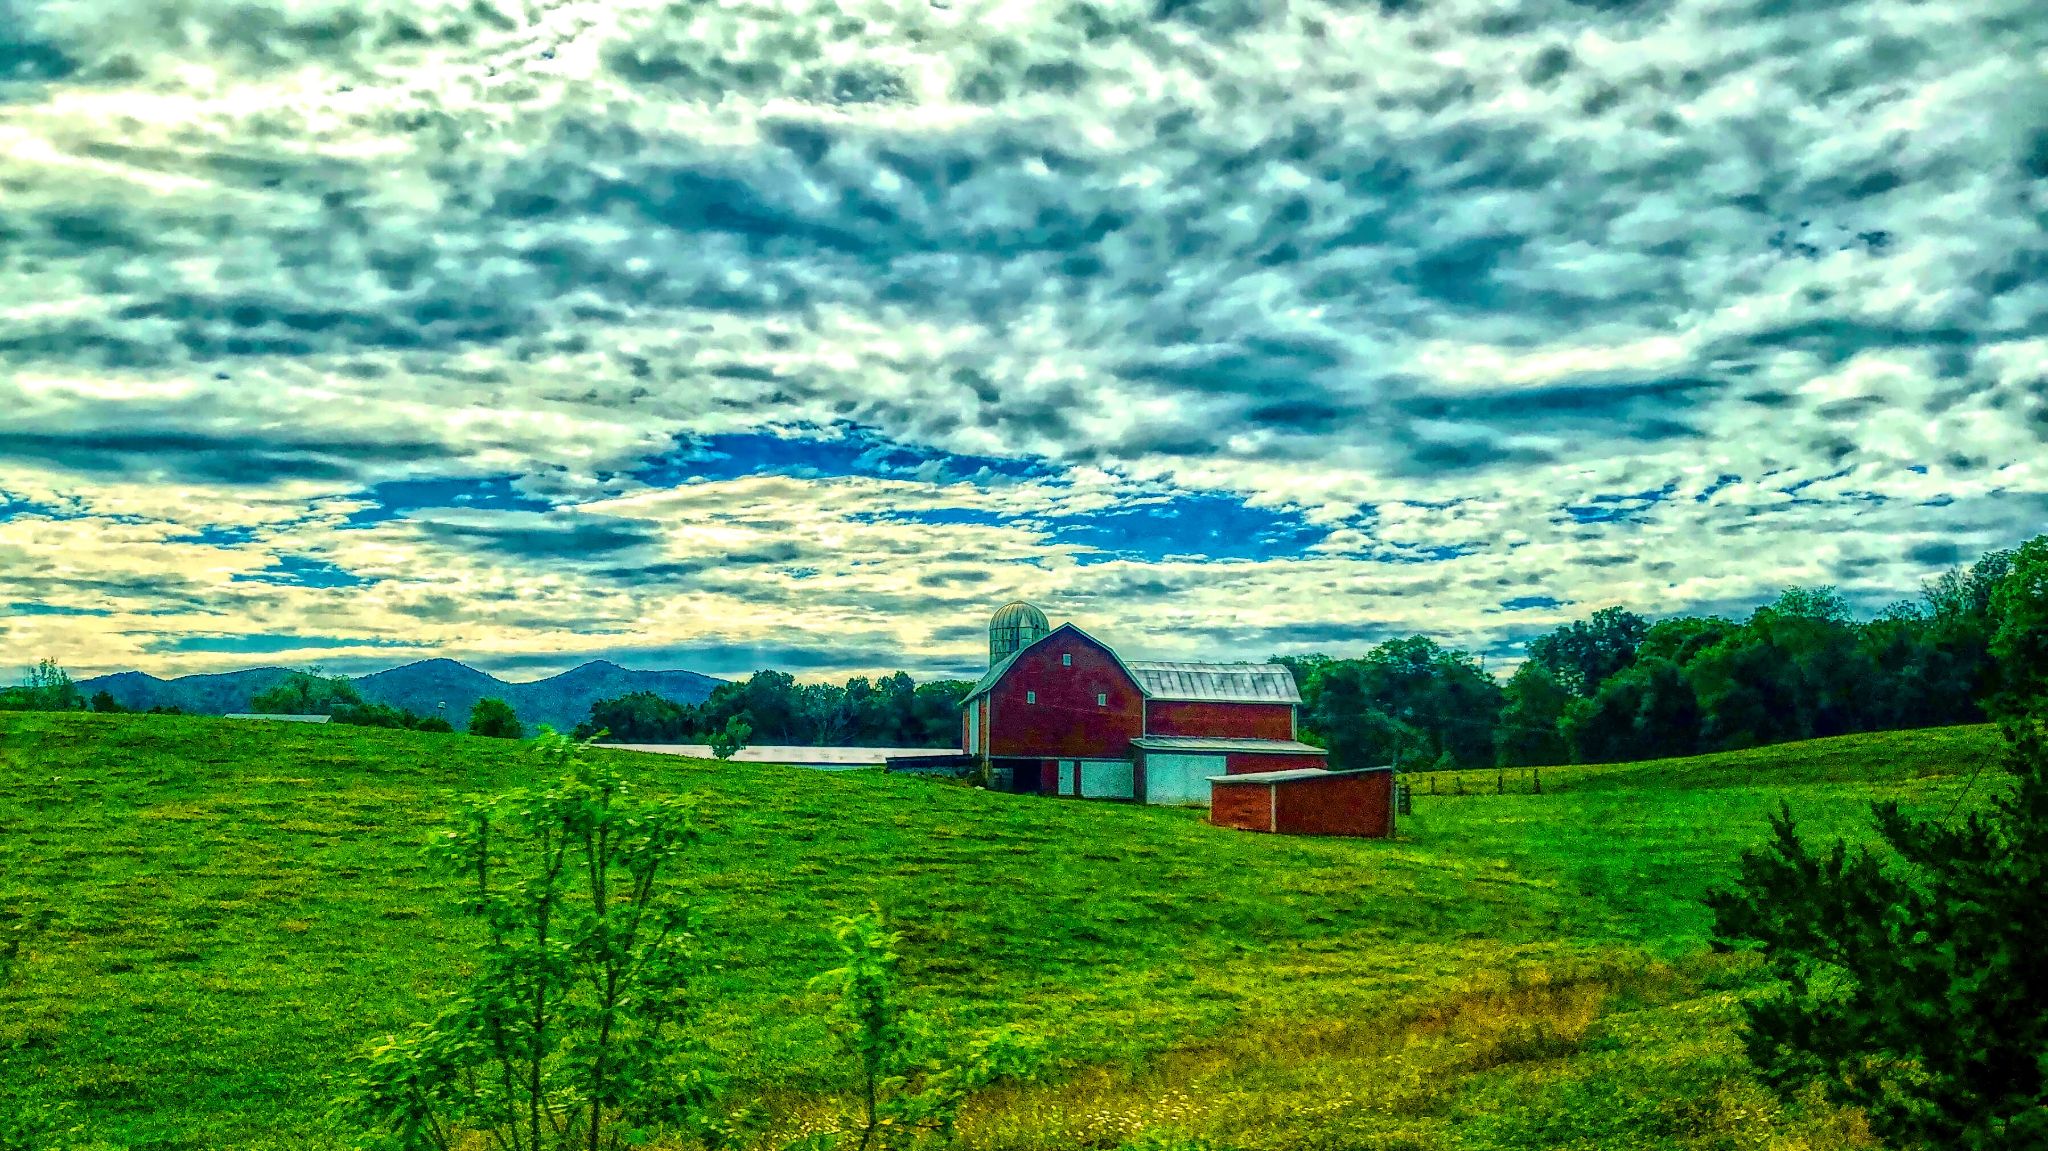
1616, 686
893, 711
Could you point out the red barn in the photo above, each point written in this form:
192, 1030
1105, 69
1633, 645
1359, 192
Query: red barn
1060, 713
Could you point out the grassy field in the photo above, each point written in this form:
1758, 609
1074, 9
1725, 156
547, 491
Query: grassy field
239, 907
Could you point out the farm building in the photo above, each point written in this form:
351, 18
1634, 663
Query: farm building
1306, 802
1061, 713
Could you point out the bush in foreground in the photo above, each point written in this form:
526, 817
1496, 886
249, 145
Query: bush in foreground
575, 1030
1914, 990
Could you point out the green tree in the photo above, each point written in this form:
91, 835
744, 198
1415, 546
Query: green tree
637, 717
909, 1086
2020, 605
305, 693
1680, 638
495, 718
1407, 701
1795, 670
1911, 987
1530, 729
1584, 653
104, 701
47, 687
1645, 712
731, 738
575, 1030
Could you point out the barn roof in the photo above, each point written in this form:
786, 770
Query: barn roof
1219, 682
1176, 680
1293, 774
995, 673
1224, 743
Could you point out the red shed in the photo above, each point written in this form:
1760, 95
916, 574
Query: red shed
1306, 801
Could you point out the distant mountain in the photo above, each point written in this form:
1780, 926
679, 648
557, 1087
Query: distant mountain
198, 694
561, 701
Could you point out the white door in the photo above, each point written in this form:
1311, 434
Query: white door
1107, 779
1180, 778
1067, 777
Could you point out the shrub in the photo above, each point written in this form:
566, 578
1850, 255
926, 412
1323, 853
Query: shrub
731, 738
496, 719
909, 1089
575, 1030
1911, 989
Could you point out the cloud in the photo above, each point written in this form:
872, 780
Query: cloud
521, 328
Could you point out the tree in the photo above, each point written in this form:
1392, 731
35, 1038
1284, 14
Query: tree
908, 1089
104, 701
1795, 670
1584, 653
495, 718
637, 717
1529, 731
304, 693
1680, 638
2020, 605
731, 738
1408, 700
575, 1029
1913, 987
1645, 712
47, 687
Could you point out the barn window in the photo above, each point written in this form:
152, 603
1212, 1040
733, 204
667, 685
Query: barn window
1101, 699
1066, 659
1030, 697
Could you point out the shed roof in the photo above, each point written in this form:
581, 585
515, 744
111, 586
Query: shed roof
1224, 743
283, 718
1219, 682
1291, 776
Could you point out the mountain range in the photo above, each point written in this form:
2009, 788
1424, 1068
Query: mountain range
560, 701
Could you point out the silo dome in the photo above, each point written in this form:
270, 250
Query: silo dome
1014, 627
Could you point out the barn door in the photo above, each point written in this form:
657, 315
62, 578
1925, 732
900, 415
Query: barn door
1180, 778
1070, 777
1106, 779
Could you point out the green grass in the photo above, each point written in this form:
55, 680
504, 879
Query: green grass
238, 907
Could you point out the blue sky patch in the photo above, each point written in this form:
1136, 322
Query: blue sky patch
1631, 508
1210, 525
53, 609
301, 571
817, 453
262, 644
1531, 603
215, 535
487, 493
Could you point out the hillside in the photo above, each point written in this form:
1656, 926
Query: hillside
238, 907
561, 701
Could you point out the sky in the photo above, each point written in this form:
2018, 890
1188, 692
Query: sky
803, 335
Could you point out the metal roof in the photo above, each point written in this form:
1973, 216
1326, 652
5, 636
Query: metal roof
1211, 682
1295, 774
1222, 682
1222, 743
283, 718
796, 756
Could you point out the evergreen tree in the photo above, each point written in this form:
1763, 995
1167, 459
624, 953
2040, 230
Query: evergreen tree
1913, 987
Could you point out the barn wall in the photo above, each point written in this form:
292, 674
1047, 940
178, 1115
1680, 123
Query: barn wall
1065, 723
1248, 762
1243, 720
1245, 806
1343, 805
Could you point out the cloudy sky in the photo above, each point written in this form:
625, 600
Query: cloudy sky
799, 334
